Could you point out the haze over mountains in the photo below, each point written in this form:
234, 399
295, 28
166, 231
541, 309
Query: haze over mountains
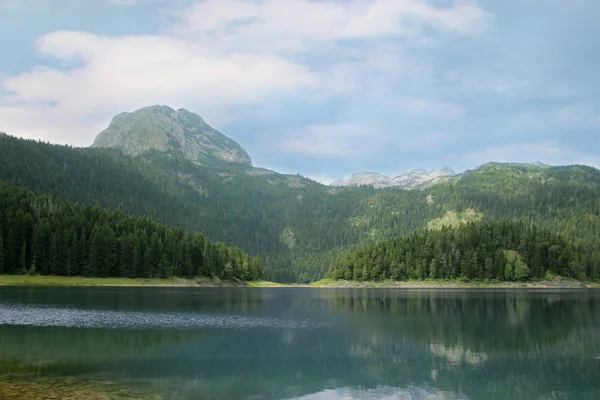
169, 165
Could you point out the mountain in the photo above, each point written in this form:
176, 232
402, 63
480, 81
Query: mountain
178, 132
421, 177
409, 180
296, 225
374, 179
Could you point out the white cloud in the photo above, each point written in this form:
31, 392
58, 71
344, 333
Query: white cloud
124, 73
269, 22
220, 53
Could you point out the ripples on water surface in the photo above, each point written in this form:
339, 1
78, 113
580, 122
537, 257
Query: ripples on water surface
82, 318
295, 343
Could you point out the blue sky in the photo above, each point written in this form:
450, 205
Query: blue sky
320, 87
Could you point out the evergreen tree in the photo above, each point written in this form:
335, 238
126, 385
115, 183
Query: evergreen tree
521, 271
136, 262
148, 262
2, 253
509, 271
54, 257
10, 251
433, 269
23, 258
165, 269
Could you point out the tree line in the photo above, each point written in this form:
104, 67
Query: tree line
493, 250
297, 226
46, 235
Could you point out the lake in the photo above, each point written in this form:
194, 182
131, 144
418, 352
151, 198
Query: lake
298, 343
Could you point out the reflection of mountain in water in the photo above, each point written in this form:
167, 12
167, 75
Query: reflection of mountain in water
463, 344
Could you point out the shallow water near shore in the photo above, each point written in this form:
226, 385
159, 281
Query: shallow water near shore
298, 343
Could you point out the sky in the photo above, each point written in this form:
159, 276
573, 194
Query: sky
323, 88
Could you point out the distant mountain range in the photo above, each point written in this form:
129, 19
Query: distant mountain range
412, 179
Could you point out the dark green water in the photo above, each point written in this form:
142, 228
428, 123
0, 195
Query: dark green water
200, 343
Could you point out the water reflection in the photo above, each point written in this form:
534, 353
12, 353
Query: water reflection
381, 393
324, 344
82, 318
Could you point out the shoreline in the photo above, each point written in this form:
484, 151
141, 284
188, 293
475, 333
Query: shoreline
50, 280
38, 280
558, 283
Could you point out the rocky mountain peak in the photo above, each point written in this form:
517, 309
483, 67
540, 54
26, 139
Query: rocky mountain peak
162, 128
412, 179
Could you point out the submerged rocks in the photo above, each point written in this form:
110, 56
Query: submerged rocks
69, 389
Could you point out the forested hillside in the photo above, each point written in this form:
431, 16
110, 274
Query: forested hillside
497, 250
43, 234
295, 224
278, 216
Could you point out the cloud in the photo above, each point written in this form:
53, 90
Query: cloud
129, 72
266, 22
146, 66
221, 54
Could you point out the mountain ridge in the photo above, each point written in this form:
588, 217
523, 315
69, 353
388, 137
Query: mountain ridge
412, 179
297, 225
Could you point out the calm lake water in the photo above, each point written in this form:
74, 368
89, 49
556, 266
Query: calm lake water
301, 343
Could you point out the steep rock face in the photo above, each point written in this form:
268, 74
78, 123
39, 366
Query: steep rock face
165, 129
411, 179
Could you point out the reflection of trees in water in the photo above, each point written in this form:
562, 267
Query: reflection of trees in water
50, 349
176, 299
482, 345
265, 362
492, 322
